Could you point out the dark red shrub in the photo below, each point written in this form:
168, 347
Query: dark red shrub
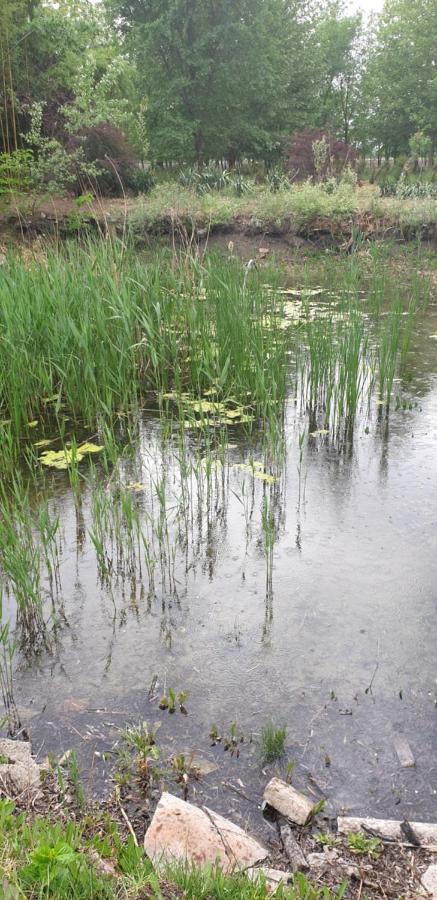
299, 155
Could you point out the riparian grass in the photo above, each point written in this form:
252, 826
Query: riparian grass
271, 742
41, 859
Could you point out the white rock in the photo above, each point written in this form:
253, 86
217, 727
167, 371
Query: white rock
274, 877
429, 880
186, 833
19, 773
289, 802
390, 829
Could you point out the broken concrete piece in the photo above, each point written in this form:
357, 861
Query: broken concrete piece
429, 880
274, 877
404, 752
289, 802
293, 850
389, 829
19, 773
187, 833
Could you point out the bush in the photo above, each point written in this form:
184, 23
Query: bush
107, 148
141, 181
15, 171
317, 154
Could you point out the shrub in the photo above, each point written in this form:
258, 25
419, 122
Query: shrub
317, 154
15, 171
107, 148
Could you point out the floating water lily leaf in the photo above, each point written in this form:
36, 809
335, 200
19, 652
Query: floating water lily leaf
211, 392
234, 413
51, 399
61, 459
434, 337
136, 487
320, 431
89, 447
256, 468
264, 476
44, 442
32, 424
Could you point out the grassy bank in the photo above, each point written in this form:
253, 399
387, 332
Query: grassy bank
297, 209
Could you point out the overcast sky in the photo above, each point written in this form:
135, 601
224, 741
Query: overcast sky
368, 6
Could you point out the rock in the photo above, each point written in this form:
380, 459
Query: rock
274, 877
19, 773
187, 833
317, 860
389, 829
200, 766
404, 752
289, 802
429, 880
263, 252
293, 850
323, 860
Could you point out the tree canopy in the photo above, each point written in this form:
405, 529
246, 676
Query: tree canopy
193, 80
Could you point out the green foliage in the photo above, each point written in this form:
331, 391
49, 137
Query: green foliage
400, 82
363, 846
420, 145
15, 169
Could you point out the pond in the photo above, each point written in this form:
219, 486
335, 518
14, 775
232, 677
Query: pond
277, 570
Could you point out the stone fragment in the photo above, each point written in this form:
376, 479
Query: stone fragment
429, 880
289, 802
19, 773
293, 850
323, 860
186, 833
389, 829
200, 766
274, 877
263, 252
403, 751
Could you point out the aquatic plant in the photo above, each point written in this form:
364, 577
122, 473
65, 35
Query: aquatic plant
271, 742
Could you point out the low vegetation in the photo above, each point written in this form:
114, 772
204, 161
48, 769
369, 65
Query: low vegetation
90, 858
271, 743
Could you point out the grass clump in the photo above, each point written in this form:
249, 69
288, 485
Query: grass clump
271, 742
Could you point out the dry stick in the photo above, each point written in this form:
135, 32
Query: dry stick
129, 824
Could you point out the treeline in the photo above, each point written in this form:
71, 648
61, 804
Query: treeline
195, 80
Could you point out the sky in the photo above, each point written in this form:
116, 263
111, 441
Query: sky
367, 6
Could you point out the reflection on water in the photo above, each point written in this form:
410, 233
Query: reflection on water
303, 592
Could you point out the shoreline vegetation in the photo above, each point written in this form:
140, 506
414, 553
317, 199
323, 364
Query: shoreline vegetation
303, 211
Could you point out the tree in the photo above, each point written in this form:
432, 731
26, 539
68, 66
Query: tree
214, 73
400, 86
338, 61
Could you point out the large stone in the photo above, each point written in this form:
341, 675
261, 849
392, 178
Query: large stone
186, 833
19, 773
289, 802
429, 881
